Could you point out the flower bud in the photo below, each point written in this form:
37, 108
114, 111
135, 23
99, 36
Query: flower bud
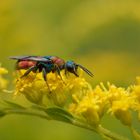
124, 116
91, 116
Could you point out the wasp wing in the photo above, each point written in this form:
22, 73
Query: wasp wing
30, 58
86, 70
38, 58
19, 57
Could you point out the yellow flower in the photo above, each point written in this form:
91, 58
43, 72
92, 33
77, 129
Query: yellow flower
3, 71
91, 106
88, 108
95, 103
121, 102
124, 116
36, 90
121, 109
78, 97
3, 82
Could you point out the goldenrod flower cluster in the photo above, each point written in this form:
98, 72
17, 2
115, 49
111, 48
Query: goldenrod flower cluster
77, 96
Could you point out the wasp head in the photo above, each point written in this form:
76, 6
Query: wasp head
72, 67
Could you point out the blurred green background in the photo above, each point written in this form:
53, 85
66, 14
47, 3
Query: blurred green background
103, 35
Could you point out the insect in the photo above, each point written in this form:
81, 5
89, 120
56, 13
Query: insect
47, 64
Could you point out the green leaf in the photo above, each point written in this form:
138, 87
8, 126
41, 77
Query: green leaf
13, 105
38, 107
59, 114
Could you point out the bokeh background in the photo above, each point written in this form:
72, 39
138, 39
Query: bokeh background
103, 35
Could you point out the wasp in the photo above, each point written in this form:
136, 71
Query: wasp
47, 64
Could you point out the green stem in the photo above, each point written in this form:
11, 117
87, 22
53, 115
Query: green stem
110, 134
82, 124
135, 133
99, 129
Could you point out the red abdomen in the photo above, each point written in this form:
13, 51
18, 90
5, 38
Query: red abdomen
24, 64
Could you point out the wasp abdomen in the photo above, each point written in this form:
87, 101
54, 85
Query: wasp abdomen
24, 64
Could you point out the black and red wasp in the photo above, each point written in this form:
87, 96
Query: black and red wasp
47, 64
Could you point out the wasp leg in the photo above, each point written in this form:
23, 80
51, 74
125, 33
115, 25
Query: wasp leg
75, 71
75, 74
66, 71
35, 71
58, 71
44, 74
28, 71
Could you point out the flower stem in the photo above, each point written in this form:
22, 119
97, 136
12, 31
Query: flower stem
135, 133
80, 123
100, 130
110, 134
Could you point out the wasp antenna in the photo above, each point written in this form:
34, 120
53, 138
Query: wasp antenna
86, 70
